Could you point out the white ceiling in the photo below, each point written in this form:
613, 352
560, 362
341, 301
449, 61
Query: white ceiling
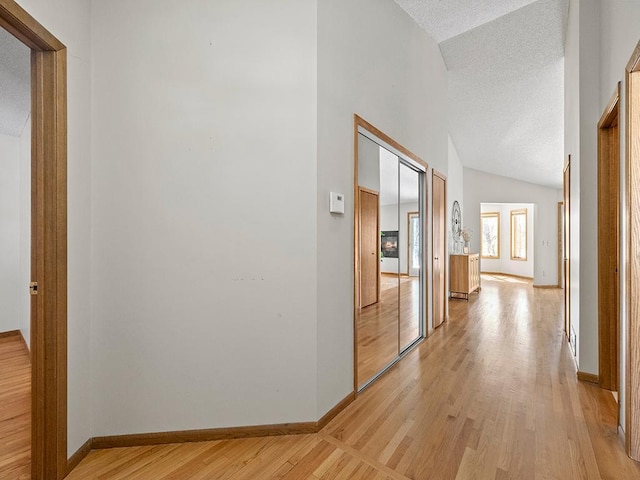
506, 82
15, 98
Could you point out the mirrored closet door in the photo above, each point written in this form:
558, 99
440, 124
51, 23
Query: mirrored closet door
389, 270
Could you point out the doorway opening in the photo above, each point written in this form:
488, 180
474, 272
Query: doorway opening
608, 244
48, 302
389, 266
15, 274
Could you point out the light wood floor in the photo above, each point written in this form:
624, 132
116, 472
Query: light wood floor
381, 325
15, 409
492, 394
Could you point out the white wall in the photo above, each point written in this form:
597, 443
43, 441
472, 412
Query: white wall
69, 21
455, 189
589, 114
572, 149
455, 192
618, 37
505, 264
24, 299
204, 214
375, 61
9, 232
480, 187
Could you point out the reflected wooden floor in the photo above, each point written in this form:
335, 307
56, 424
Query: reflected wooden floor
15, 409
378, 325
492, 394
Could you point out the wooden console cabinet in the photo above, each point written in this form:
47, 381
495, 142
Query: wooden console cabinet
464, 271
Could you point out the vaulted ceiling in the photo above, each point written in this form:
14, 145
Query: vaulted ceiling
15, 99
506, 82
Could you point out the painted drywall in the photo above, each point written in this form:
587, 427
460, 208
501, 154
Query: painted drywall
70, 22
618, 37
588, 233
455, 189
481, 187
505, 264
9, 232
204, 214
375, 61
24, 299
572, 151
455, 192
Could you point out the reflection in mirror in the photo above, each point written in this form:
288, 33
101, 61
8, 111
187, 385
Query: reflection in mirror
377, 317
410, 256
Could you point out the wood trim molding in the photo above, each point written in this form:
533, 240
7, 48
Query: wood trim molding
609, 117
207, 435
356, 246
560, 236
632, 192
333, 413
49, 241
20, 24
608, 189
508, 275
588, 377
361, 122
547, 286
11, 333
80, 454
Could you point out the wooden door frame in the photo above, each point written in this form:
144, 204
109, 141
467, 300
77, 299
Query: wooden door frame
443, 177
632, 219
560, 243
361, 123
608, 244
49, 241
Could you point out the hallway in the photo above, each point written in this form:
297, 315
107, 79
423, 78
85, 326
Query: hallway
492, 394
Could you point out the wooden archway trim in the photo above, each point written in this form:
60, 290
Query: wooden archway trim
48, 241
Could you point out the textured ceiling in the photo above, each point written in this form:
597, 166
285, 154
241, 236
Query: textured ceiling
506, 84
444, 19
15, 103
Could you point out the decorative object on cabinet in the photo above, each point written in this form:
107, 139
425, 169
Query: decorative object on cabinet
464, 271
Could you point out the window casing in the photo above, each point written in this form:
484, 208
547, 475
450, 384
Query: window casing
490, 242
519, 235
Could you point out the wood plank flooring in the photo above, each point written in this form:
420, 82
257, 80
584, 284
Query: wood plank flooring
491, 395
395, 316
15, 409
